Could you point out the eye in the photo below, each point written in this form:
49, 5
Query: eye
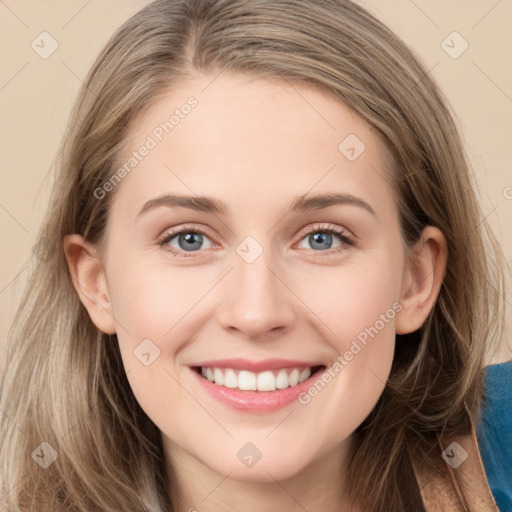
185, 240
320, 238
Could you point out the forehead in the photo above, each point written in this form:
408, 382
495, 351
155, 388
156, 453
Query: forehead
251, 142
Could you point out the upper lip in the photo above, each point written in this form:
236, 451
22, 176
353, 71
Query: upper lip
257, 366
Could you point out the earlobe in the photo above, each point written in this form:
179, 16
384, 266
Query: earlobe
88, 277
422, 281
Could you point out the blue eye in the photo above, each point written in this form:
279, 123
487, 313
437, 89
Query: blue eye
319, 240
186, 242
321, 237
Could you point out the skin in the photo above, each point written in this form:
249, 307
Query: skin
256, 144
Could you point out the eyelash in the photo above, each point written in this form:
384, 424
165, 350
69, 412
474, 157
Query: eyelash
317, 228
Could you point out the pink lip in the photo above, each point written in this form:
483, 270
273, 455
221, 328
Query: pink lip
256, 401
257, 366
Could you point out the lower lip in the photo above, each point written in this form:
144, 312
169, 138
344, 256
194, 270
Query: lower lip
256, 401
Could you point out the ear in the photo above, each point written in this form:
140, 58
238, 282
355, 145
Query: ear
89, 280
423, 277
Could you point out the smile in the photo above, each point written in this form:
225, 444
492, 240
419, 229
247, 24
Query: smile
268, 380
255, 386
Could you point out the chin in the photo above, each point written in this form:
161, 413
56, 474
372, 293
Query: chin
270, 467
263, 473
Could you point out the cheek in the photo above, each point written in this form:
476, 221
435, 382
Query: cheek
356, 299
358, 309
154, 310
150, 299
366, 323
366, 311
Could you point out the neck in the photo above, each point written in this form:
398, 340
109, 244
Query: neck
318, 486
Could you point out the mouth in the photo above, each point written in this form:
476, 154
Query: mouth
264, 381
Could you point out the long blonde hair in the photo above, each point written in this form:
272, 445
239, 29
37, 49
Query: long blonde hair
65, 384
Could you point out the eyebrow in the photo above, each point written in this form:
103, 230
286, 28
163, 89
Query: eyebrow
301, 203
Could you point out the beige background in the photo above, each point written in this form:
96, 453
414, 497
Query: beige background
36, 95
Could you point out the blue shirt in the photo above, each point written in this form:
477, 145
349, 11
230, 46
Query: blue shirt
494, 433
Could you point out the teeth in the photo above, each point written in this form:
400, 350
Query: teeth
282, 380
218, 376
293, 379
249, 381
230, 379
266, 381
305, 375
246, 381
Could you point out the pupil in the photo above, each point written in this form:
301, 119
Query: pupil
191, 239
319, 238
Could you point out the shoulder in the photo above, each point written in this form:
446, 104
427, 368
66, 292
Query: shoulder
494, 433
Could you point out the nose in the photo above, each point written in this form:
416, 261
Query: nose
258, 303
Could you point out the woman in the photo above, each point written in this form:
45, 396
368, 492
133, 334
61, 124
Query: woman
262, 371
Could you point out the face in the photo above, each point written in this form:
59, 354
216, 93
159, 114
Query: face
272, 283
